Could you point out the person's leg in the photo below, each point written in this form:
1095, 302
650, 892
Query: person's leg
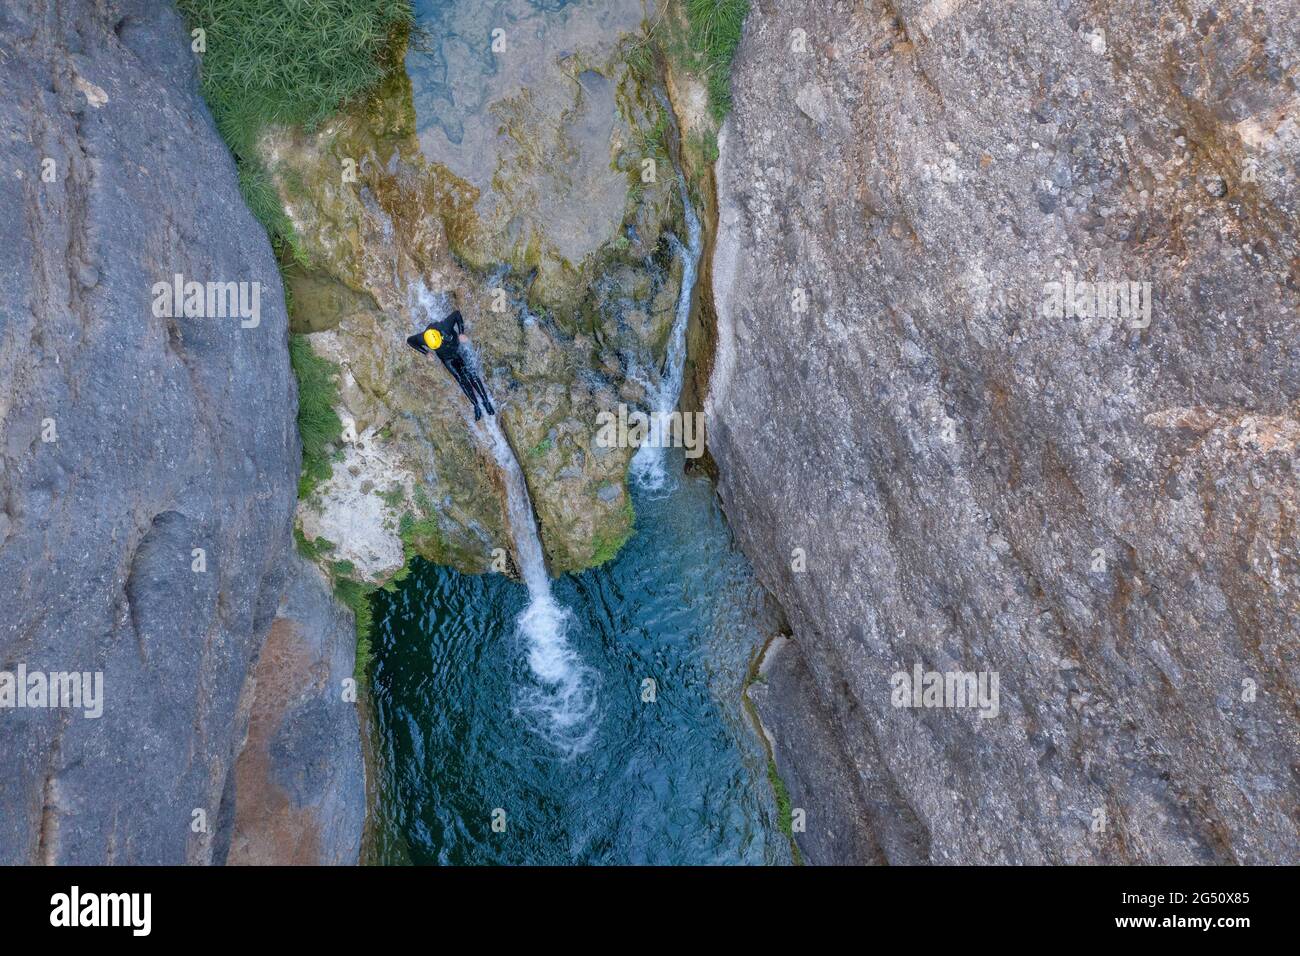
467, 386
482, 390
456, 366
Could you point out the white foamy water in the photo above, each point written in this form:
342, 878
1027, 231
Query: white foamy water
561, 704
647, 468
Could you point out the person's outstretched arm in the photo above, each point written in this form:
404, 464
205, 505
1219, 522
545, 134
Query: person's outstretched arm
457, 323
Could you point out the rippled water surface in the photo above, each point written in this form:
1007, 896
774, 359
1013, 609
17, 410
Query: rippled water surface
524, 704
679, 780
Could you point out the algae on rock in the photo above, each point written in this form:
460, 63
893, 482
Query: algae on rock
556, 254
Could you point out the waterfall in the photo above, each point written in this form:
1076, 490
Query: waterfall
647, 468
561, 703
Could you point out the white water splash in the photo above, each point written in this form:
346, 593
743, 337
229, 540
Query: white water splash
560, 704
565, 697
434, 305
647, 468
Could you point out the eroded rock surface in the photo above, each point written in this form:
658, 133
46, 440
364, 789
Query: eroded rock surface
1098, 508
300, 797
537, 222
148, 465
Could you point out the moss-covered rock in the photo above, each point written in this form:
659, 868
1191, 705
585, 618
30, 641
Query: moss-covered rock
576, 322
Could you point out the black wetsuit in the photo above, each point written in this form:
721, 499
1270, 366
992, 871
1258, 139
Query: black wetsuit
453, 358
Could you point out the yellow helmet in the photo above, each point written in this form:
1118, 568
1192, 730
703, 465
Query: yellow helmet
432, 338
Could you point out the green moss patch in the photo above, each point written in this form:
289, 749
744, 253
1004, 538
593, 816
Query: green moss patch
318, 423
604, 547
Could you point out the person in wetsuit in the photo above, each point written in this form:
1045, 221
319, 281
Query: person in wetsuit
443, 339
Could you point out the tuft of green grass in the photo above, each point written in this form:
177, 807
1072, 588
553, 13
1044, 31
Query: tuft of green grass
318, 424
638, 54
287, 62
420, 532
312, 550
784, 808
365, 654
653, 141
705, 145
715, 30
292, 62
356, 595
416, 532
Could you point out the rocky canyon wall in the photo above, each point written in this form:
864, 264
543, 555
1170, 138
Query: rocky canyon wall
148, 473
940, 448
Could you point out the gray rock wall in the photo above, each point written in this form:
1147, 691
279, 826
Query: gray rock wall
128, 440
299, 780
1100, 509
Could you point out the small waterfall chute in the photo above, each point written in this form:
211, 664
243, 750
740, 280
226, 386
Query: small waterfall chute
648, 468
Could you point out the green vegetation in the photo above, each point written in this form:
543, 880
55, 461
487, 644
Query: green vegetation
318, 424
292, 63
312, 550
784, 809
781, 793
287, 62
421, 535
604, 548
393, 497
413, 529
541, 448
700, 36
705, 144
352, 593
653, 141
402, 574
715, 30
356, 595
639, 54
